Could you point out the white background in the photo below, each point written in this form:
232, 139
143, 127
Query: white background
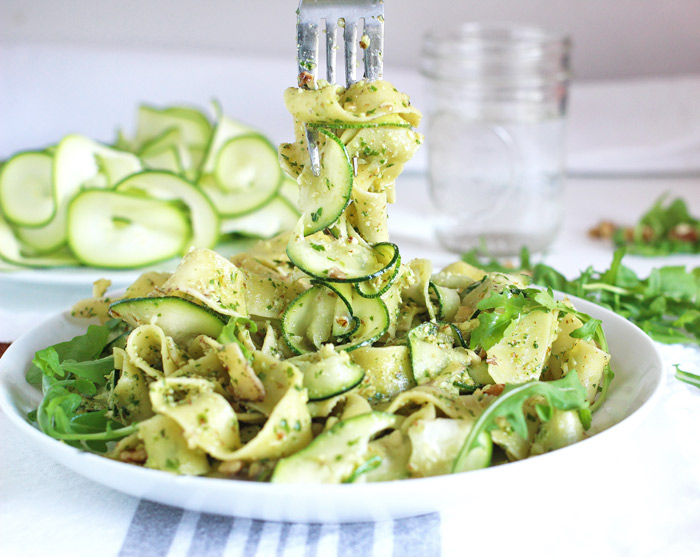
613, 38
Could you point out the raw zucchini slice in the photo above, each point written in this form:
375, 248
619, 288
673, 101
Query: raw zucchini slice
372, 316
334, 455
277, 216
331, 313
11, 252
431, 347
339, 260
246, 175
44, 240
225, 130
169, 159
344, 323
379, 285
445, 300
194, 132
118, 230
80, 162
166, 185
328, 373
393, 120
26, 193
167, 151
311, 319
289, 189
194, 127
323, 198
247, 162
179, 318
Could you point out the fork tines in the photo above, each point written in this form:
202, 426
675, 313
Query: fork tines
347, 16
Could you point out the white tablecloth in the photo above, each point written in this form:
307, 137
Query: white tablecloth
643, 498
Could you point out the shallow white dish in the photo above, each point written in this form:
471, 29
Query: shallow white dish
85, 276
637, 386
78, 276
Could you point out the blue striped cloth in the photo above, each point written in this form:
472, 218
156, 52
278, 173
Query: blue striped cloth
162, 531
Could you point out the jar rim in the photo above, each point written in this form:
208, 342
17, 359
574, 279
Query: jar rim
472, 38
495, 50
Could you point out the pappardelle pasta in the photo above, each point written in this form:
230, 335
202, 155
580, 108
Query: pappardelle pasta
319, 355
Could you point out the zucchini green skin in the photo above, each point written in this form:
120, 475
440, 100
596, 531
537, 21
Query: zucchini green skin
162, 184
333, 456
39, 241
315, 264
329, 376
153, 121
11, 252
239, 203
357, 125
179, 318
325, 198
386, 280
446, 299
30, 212
371, 317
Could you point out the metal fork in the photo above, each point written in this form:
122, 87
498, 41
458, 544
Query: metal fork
344, 14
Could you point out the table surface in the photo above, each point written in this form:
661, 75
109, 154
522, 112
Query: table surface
645, 499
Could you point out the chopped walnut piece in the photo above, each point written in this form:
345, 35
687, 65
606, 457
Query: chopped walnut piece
495, 390
134, 456
305, 78
684, 232
605, 229
231, 467
648, 234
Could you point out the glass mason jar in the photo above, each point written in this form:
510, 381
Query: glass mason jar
495, 135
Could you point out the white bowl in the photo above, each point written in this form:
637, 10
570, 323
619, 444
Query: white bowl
638, 383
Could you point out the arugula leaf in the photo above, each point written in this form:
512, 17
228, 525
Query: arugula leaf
94, 371
687, 377
566, 393
229, 333
662, 230
510, 305
507, 308
73, 377
81, 348
48, 362
665, 305
588, 330
490, 264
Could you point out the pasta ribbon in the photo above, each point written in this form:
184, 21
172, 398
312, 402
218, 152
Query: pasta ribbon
154, 353
207, 420
210, 278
